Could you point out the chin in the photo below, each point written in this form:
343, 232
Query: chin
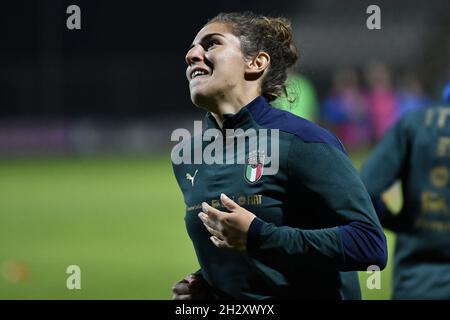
201, 100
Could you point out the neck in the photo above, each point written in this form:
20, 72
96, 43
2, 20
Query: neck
231, 107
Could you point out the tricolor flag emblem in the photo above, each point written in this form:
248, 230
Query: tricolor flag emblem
254, 167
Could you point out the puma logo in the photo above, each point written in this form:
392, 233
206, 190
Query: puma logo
191, 178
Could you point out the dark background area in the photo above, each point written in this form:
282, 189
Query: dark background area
128, 58
118, 84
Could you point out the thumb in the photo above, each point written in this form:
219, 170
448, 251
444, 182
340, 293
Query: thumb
228, 203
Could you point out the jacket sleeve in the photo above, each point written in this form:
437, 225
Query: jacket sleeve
384, 167
354, 243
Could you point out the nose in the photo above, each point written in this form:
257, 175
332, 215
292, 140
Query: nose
194, 54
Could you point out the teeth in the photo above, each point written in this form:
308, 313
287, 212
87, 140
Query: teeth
198, 72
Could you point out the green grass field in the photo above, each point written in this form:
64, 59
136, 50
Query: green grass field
119, 219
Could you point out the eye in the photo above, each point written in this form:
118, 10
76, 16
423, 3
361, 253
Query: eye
211, 43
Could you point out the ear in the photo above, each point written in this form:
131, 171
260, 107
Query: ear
257, 65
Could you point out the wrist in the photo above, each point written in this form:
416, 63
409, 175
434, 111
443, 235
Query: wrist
254, 234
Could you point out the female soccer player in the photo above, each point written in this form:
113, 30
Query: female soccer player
299, 233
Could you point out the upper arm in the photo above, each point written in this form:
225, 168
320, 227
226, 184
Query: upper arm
387, 161
328, 172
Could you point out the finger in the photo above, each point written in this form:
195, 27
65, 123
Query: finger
212, 226
211, 211
215, 233
203, 216
190, 278
219, 243
181, 288
207, 221
195, 285
228, 203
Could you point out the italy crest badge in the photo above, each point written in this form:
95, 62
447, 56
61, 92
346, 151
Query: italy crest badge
254, 167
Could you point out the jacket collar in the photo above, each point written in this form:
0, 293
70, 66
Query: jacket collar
243, 119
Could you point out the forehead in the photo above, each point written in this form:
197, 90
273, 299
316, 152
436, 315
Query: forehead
215, 28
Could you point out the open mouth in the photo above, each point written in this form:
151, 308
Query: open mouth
199, 72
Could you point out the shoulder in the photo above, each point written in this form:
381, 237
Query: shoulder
416, 120
417, 115
304, 130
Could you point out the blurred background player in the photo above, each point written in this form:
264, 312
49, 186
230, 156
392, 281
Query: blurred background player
410, 94
381, 98
345, 111
416, 151
300, 98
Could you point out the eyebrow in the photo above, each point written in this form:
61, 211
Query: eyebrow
207, 37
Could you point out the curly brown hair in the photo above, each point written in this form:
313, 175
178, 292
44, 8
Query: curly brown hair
272, 35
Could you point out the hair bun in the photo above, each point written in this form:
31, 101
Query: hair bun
282, 29
282, 33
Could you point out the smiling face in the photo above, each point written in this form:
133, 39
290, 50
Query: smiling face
216, 66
